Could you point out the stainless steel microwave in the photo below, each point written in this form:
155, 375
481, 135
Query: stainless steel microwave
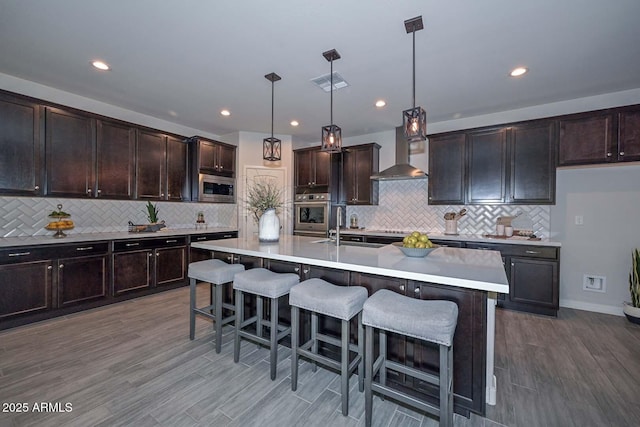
216, 189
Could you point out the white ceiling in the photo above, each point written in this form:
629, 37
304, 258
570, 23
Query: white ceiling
185, 60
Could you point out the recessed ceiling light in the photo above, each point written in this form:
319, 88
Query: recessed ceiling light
380, 103
100, 65
516, 72
294, 123
225, 112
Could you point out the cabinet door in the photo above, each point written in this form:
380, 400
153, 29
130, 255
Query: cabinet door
25, 288
534, 281
116, 149
487, 154
81, 279
208, 156
69, 153
469, 343
151, 161
303, 168
533, 169
586, 138
447, 170
226, 160
359, 163
131, 271
322, 168
629, 136
20, 147
170, 265
177, 170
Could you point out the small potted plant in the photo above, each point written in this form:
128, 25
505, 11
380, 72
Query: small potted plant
264, 199
632, 309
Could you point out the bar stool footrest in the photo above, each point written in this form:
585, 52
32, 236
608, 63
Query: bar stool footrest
405, 398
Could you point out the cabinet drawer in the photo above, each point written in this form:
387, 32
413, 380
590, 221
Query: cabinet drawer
132, 245
85, 249
213, 236
448, 243
25, 254
518, 250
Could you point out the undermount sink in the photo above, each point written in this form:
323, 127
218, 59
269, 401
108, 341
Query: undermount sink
349, 243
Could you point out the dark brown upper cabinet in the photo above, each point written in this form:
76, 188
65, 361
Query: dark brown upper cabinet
447, 165
510, 164
116, 150
532, 173
312, 168
216, 158
70, 153
604, 136
178, 188
151, 165
487, 166
21, 146
359, 162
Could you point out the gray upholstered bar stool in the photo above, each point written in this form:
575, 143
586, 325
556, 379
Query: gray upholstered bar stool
432, 321
263, 284
341, 302
217, 273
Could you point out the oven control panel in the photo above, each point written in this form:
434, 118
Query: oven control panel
313, 197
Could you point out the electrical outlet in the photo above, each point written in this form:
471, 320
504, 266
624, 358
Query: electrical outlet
594, 283
579, 220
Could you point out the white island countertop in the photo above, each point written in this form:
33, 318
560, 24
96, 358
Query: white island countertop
466, 268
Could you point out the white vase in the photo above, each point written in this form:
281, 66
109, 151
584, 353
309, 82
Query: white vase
632, 313
269, 226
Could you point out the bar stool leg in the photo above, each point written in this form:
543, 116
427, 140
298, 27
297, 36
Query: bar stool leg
295, 316
218, 313
192, 306
239, 320
274, 337
383, 352
314, 343
344, 367
446, 396
368, 376
361, 353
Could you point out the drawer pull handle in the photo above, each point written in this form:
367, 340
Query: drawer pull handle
226, 236
132, 244
84, 248
531, 252
20, 254
402, 287
201, 238
171, 241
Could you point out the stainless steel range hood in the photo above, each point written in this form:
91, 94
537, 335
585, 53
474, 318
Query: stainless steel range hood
402, 169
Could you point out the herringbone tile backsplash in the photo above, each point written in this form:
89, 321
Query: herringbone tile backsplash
25, 216
403, 206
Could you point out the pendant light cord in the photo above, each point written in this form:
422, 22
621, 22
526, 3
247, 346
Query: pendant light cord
272, 106
331, 90
414, 65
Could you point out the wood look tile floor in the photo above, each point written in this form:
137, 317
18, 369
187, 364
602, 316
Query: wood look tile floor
132, 364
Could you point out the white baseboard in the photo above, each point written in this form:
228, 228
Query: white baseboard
598, 308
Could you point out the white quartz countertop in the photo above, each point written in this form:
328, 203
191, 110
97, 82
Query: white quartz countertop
515, 240
466, 268
6, 242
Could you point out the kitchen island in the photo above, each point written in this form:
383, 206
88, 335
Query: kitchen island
472, 278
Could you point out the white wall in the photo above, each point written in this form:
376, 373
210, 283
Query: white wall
608, 199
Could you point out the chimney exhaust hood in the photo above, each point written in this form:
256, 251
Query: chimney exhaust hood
402, 169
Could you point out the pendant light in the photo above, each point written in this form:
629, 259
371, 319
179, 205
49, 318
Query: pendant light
272, 147
332, 134
414, 120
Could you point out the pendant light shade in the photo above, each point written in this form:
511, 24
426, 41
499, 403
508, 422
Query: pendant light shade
272, 147
331, 134
414, 120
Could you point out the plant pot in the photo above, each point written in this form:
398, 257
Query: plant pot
269, 226
632, 313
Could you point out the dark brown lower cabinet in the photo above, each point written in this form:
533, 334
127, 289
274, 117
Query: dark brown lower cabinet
37, 282
82, 279
535, 285
25, 288
196, 254
148, 263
